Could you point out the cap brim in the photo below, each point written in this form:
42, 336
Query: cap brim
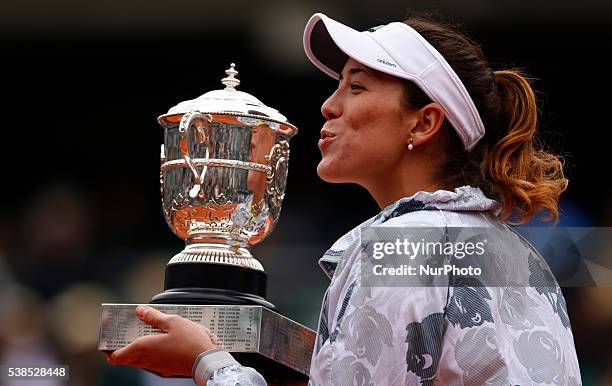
329, 44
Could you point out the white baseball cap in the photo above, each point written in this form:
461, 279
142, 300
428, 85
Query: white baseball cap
396, 49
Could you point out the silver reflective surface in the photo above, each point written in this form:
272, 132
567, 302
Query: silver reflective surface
241, 329
227, 100
223, 183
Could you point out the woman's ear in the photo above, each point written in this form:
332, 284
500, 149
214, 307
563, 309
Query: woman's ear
430, 119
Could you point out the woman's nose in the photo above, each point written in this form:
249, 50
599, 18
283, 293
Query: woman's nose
331, 107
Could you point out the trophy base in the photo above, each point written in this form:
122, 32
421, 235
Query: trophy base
226, 284
209, 296
278, 347
227, 278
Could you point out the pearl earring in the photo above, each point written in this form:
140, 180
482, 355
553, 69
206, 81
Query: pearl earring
410, 147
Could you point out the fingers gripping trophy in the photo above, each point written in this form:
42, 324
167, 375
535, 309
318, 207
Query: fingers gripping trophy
224, 166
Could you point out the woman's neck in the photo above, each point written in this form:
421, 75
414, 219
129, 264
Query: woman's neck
385, 197
402, 181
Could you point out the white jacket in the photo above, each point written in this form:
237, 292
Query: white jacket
453, 335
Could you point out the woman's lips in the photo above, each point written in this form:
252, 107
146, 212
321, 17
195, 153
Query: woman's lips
326, 138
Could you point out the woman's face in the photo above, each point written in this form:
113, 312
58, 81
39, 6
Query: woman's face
367, 127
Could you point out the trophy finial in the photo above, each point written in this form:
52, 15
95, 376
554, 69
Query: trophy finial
231, 82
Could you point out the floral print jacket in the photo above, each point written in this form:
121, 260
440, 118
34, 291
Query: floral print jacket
454, 335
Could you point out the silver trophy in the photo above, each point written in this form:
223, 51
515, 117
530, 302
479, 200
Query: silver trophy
223, 175
224, 166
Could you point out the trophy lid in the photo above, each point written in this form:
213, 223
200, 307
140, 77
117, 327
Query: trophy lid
227, 100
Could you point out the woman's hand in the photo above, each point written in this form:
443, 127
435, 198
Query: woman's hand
169, 353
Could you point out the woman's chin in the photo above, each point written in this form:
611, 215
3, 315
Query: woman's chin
328, 173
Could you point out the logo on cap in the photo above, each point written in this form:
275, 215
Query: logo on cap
385, 62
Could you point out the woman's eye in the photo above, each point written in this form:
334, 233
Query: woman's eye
356, 86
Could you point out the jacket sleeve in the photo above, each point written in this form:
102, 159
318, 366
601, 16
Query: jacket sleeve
217, 367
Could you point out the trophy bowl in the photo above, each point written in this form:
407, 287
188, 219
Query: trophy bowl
224, 165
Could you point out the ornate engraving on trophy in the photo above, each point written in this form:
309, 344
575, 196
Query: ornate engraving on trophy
236, 326
278, 160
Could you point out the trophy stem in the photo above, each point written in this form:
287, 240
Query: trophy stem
216, 240
209, 251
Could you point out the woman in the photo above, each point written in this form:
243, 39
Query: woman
441, 140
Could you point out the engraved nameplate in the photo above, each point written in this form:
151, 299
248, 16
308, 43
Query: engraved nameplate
243, 330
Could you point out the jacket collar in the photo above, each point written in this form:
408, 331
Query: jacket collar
464, 198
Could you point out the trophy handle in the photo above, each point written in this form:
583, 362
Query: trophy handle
199, 121
277, 177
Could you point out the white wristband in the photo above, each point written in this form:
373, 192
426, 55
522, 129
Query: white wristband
207, 362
